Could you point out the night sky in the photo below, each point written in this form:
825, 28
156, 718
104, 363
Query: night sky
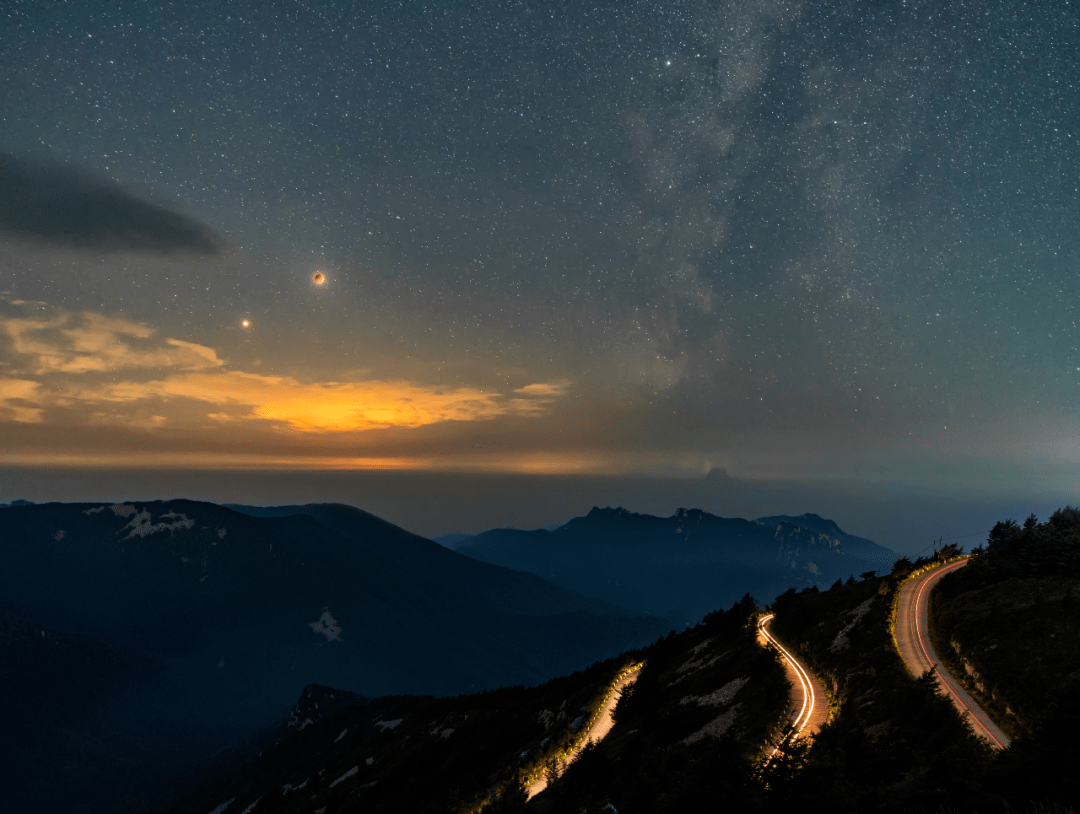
798, 242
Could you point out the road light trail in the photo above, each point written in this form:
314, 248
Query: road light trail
913, 641
809, 694
597, 732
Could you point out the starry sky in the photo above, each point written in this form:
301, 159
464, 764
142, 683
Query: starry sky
792, 242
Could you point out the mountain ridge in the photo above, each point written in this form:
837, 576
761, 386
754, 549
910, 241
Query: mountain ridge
704, 560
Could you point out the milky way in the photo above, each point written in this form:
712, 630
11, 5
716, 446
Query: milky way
786, 239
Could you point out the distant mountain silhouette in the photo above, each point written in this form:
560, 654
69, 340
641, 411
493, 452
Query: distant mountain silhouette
690, 563
852, 545
181, 625
453, 540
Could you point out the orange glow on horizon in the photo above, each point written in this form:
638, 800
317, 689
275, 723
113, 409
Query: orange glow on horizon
188, 386
552, 463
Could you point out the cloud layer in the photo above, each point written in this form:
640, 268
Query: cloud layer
112, 371
52, 203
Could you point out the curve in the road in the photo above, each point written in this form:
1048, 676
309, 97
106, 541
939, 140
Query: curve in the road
809, 694
597, 732
913, 642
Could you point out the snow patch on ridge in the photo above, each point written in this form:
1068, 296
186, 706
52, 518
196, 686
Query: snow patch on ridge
841, 640
693, 665
119, 509
721, 696
345, 776
141, 525
716, 727
327, 625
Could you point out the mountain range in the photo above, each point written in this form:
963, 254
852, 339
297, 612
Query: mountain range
686, 565
187, 657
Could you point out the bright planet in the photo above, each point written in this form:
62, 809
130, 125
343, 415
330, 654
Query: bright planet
319, 278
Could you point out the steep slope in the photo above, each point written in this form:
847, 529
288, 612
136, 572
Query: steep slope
443, 573
246, 611
691, 735
689, 563
893, 743
1008, 627
704, 706
62, 692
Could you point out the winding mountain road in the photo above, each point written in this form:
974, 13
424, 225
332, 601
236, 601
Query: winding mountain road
813, 706
913, 640
599, 729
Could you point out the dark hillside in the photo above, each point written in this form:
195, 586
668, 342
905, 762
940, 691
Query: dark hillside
1008, 625
692, 733
892, 742
61, 691
706, 701
409, 753
200, 623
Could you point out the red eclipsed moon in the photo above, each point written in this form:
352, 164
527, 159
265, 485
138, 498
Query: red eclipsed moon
319, 278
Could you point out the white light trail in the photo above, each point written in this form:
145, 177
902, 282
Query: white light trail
809, 700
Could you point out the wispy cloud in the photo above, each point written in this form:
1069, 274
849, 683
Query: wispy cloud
537, 399
18, 400
99, 343
546, 389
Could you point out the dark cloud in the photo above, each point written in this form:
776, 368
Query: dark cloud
52, 203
